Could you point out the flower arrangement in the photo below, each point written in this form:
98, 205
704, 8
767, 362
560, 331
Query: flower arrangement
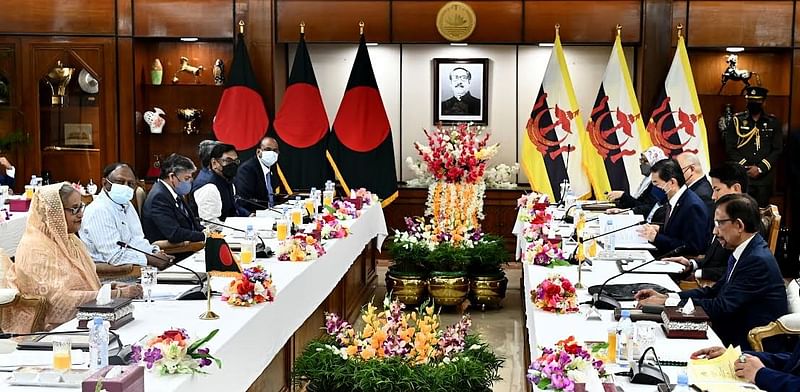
330, 227
455, 207
457, 154
419, 168
300, 247
555, 294
559, 368
502, 176
173, 352
253, 286
366, 196
543, 252
399, 351
343, 209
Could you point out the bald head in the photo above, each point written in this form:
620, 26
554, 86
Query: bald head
690, 165
268, 144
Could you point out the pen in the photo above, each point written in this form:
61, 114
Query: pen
696, 388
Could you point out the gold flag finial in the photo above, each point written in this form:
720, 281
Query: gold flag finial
241, 27
302, 27
619, 30
680, 30
361, 27
558, 27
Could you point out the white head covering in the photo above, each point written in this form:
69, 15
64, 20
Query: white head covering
653, 155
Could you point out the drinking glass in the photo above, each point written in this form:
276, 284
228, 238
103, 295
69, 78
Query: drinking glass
29, 191
62, 353
281, 229
309, 204
327, 198
149, 280
248, 252
297, 217
645, 336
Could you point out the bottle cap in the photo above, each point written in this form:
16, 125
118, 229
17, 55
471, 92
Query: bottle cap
683, 378
98, 321
626, 313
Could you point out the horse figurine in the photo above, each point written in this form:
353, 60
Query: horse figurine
732, 73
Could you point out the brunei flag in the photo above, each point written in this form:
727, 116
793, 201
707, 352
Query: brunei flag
551, 146
241, 119
616, 130
360, 147
301, 126
676, 124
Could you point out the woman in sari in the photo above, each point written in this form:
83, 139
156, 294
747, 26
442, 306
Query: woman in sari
51, 261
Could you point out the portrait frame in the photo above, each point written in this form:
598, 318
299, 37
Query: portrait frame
473, 105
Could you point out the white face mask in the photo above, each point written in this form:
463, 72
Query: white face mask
120, 194
268, 158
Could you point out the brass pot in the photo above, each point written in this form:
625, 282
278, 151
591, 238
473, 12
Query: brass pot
408, 288
487, 290
448, 289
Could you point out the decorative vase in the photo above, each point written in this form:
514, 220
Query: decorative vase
155, 119
156, 73
409, 288
219, 73
448, 288
488, 290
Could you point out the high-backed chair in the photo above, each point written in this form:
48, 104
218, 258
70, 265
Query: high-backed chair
139, 196
788, 324
771, 220
12, 298
121, 273
183, 247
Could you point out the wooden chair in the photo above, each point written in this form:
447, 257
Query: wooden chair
124, 272
139, 196
787, 324
183, 247
17, 300
771, 220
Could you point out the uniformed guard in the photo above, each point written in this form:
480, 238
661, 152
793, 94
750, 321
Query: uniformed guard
755, 141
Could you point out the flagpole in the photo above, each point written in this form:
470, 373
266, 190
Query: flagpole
680, 30
302, 27
619, 30
241, 27
361, 27
558, 27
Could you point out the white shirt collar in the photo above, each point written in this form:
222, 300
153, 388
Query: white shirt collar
264, 167
677, 196
169, 188
737, 253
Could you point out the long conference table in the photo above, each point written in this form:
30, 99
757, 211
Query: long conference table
257, 344
544, 329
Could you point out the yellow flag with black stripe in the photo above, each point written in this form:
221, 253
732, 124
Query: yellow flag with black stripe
551, 146
615, 130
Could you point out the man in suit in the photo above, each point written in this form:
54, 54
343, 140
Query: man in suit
256, 180
725, 180
751, 293
7, 176
213, 194
462, 103
696, 180
165, 214
686, 221
779, 372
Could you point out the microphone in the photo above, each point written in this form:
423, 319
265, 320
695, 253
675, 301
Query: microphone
195, 293
648, 374
572, 257
622, 211
602, 301
255, 204
570, 219
262, 250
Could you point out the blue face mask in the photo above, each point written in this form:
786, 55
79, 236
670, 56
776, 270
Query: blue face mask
658, 194
183, 188
120, 194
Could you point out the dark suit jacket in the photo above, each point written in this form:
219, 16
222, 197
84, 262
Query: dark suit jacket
467, 106
714, 262
640, 205
753, 296
687, 225
163, 220
781, 371
250, 183
6, 180
702, 188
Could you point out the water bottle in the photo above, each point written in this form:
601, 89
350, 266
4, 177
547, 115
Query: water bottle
625, 340
98, 344
569, 198
250, 233
248, 253
611, 239
683, 383
34, 180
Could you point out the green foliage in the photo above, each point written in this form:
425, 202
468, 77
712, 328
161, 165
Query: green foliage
474, 371
7, 142
448, 258
408, 257
487, 256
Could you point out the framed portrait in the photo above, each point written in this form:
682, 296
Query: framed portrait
461, 91
78, 134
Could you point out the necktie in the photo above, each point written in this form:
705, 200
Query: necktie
729, 271
270, 192
179, 202
669, 212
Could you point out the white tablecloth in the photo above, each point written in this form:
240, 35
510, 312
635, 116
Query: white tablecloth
11, 232
248, 338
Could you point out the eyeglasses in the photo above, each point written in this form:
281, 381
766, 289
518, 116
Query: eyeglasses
76, 210
687, 167
719, 222
459, 77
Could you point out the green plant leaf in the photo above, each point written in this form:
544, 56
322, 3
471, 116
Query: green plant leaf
197, 344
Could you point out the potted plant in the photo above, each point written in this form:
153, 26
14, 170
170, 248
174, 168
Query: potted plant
488, 282
406, 278
448, 283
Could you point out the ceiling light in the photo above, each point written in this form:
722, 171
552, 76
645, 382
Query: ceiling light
546, 44
458, 44
189, 39
734, 49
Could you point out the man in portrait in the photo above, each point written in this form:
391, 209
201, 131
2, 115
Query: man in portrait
462, 103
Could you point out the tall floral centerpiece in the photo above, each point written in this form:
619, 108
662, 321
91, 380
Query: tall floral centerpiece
447, 243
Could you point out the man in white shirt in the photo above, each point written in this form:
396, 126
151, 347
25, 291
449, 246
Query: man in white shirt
7, 177
111, 218
751, 292
213, 192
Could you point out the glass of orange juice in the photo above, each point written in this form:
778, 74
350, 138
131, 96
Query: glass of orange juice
29, 191
327, 198
247, 254
297, 217
281, 229
309, 204
62, 353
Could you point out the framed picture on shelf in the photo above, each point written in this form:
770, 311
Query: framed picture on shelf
461, 90
78, 134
